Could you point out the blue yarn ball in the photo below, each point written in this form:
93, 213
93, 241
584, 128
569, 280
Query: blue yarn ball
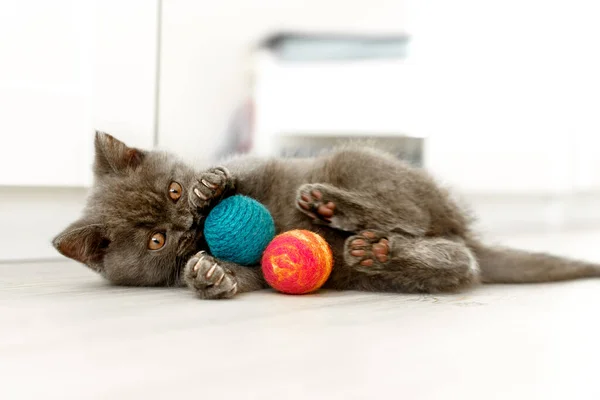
239, 229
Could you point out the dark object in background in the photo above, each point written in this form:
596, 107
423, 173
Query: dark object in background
315, 47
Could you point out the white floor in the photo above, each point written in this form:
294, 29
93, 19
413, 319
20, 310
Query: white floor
64, 334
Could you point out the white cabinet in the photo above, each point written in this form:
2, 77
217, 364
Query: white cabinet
44, 92
125, 66
68, 68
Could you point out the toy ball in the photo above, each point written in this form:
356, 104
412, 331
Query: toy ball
297, 262
238, 229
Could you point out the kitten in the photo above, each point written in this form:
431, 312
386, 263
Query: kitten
390, 227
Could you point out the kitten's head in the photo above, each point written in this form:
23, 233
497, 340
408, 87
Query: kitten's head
139, 226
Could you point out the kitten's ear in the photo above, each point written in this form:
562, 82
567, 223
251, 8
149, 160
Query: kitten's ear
114, 156
84, 242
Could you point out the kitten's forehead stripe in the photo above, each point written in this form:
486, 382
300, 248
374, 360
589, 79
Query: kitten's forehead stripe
133, 201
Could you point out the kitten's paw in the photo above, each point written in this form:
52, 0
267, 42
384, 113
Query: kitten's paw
312, 200
367, 250
208, 278
211, 184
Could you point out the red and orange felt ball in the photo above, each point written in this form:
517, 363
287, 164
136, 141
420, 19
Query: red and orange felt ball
297, 262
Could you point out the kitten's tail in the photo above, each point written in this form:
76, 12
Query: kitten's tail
503, 265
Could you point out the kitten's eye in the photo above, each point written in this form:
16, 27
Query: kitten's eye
175, 191
157, 241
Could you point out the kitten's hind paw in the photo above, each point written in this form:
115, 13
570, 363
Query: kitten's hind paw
311, 202
368, 250
208, 278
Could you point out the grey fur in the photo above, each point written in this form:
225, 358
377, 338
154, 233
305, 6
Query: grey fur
390, 226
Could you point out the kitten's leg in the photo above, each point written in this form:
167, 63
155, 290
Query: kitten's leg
215, 279
391, 262
353, 211
211, 186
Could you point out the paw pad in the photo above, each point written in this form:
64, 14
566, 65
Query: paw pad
313, 204
368, 248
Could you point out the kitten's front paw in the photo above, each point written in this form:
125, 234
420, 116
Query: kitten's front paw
320, 204
211, 185
208, 278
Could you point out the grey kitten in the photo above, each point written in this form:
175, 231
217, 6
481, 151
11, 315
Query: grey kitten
390, 226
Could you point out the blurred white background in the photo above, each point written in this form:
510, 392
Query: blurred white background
504, 95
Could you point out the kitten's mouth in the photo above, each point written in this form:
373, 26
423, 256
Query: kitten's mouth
192, 241
199, 241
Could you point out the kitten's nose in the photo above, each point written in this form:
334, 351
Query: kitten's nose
187, 222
